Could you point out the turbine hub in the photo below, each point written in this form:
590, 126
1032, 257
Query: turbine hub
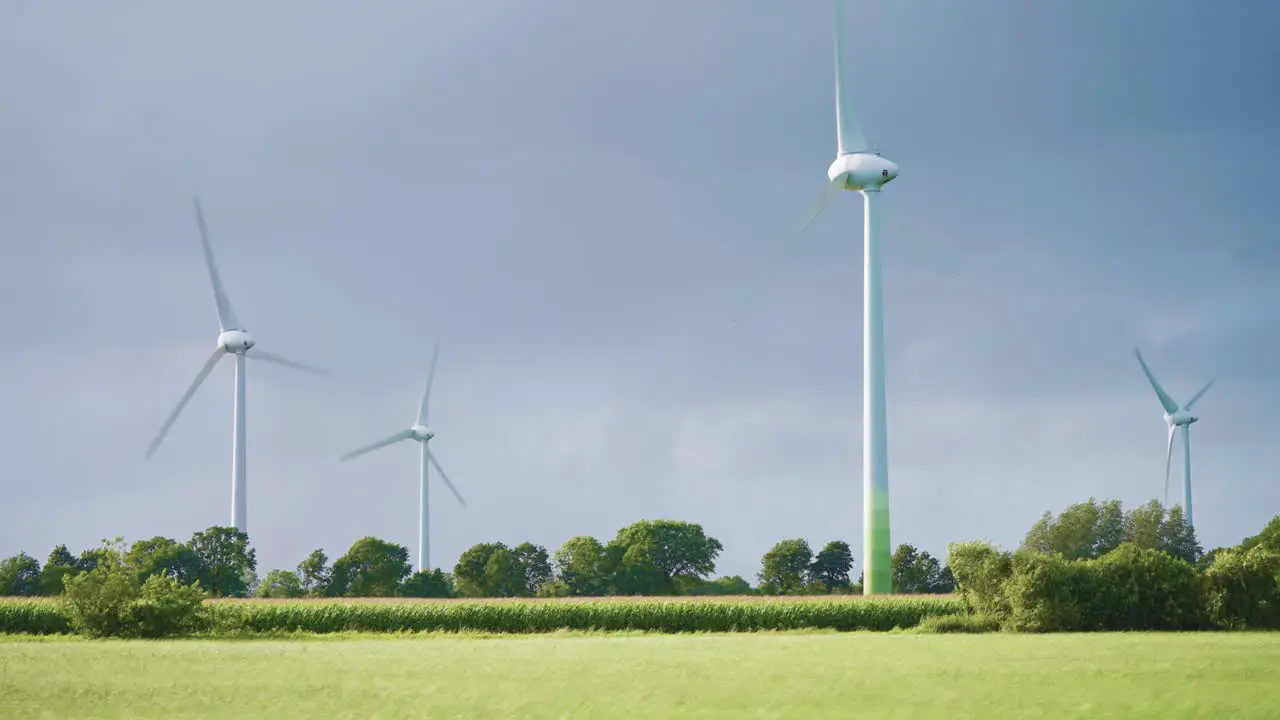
862, 171
1179, 419
236, 342
422, 432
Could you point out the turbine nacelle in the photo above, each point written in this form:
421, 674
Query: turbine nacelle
421, 433
236, 342
862, 171
1179, 418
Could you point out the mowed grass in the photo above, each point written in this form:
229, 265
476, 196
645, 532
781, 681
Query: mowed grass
751, 675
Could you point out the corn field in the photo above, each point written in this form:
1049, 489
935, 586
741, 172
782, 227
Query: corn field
527, 615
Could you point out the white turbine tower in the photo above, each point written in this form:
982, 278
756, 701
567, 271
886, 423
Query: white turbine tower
232, 340
1176, 417
421, 433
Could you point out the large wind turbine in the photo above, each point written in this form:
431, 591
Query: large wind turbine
420, 432
860, 168
232, 340
1176, 417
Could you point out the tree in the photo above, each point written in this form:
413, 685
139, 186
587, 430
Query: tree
1178, 538
109, 599
60, 564
1269, 537
166, 557
831, 565
671, 549
428, 584
504, 574
19, 575
371, 568
784, 569
494, 570
280, 584
314, 574
225, 556
580, 565
1084, 530
537, 568
1143, 524
916, 571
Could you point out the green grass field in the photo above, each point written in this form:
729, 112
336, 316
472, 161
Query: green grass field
750, 675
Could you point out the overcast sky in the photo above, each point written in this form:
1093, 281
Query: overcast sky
576, 198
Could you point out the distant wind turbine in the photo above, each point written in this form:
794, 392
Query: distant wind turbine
420, 432
234, 340
1176, 417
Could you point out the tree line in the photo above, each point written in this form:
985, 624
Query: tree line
649, 557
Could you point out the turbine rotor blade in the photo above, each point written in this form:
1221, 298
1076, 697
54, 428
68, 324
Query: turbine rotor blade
1167, 402
849, 137
226, 316
186, 398
397, 437
1199, 394
1168, 461
286, 362
832, 189
431, 457
426, 393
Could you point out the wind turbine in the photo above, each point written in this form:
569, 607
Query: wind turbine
233, 339
860, 168
1176, 417
421, 433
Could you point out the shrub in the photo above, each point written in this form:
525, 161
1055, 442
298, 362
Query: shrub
1243, 588
1046, 593
109, 601
1137, 588
980, 570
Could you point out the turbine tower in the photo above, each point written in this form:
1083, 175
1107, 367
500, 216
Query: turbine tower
859, 168
233, 339
421, 433
1176, 417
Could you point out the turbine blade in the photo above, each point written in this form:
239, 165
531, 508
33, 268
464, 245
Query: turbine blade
1168, 460
226, 316
186, 397
832, 189
849, 137
431, 457
402, 435
426, 393
1167, 402
1199, 394
273, 358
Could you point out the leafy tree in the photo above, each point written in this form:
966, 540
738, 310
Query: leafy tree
60, 564
428, 584
225, 555
468, 574
1268, 538
784, 569
1084, 530
164, 556
581, 566
314, 572
1178, 538
831, 565
19, 575
504, 574
664, 550
729, 585
1143, 524
371, 568
109, 599
494, 570
537, 567
916, 571
280, 584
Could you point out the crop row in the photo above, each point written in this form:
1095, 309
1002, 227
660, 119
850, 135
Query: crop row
47, 616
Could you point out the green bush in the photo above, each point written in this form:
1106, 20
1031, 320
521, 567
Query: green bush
1047, 593
108, 601
980, 570
1243, 588
1133, 588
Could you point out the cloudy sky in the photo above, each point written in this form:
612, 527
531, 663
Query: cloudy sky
577, 198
